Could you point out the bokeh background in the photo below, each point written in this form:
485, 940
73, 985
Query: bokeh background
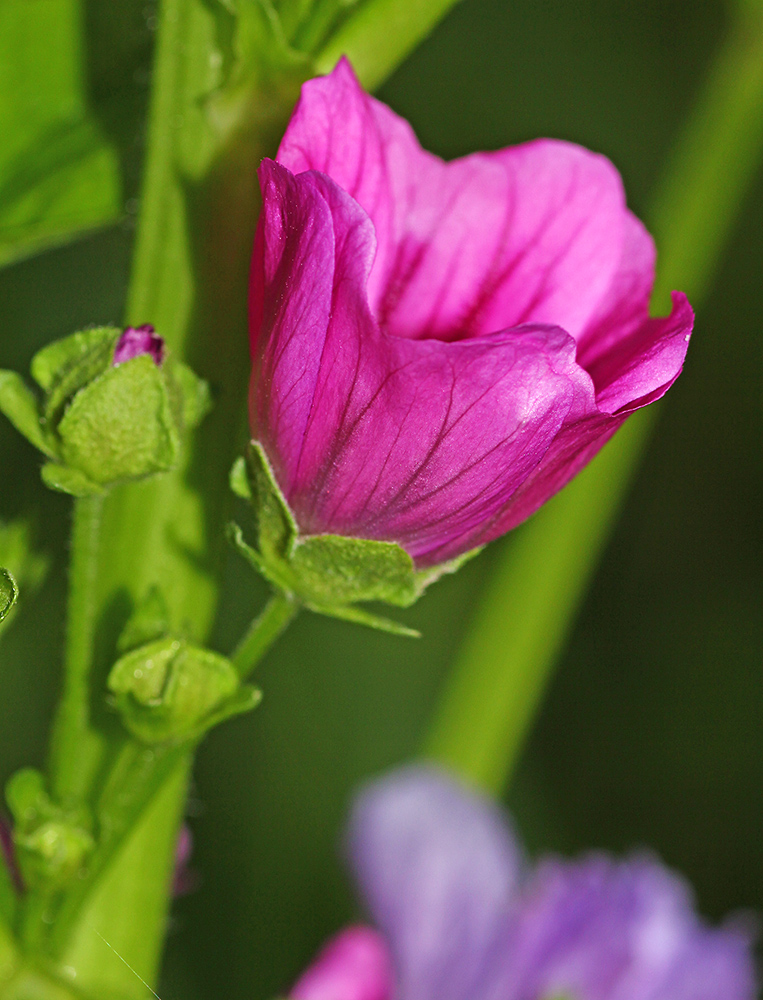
651, 730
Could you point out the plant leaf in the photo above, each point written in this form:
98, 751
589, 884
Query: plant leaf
58, 174
19, 405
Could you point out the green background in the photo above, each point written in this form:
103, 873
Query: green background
650, 734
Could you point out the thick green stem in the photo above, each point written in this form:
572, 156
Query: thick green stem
278, 613
379, 34
541, 576
74, 741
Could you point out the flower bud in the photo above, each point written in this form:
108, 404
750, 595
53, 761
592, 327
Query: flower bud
52, 845
114, 408
170, 691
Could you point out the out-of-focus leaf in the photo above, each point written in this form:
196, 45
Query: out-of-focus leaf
8, 593
58, 174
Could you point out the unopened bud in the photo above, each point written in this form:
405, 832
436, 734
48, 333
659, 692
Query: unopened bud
115, 407
51, 844
170, 691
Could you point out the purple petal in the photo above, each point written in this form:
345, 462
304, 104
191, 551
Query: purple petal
529, 234
438, 868
420, 442
643, 365
355, 965
8, 854
603, 930
139, 340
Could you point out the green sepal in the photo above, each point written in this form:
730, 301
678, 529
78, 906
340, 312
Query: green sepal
52, 844
276, 525
64, 367
359, 616
64, 479
19, 404
190, 393
426, 577
239, 479
170, 691
120, 426
149, 621
9, 593
328, 574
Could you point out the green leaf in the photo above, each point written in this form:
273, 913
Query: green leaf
18, 403
58, 175
9, 593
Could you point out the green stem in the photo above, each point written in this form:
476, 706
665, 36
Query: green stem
541, 575
72, 736
278, 613
379, 34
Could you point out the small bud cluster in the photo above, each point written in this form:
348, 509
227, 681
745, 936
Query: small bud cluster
51, 843
113, 410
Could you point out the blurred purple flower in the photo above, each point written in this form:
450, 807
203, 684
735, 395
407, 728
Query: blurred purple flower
137, 340
462, 917
439, 347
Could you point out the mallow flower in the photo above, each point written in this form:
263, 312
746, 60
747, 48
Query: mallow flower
460, 914
439, 347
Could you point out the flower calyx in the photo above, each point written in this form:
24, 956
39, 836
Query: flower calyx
52, 843
329, 574
169, 690
115, 406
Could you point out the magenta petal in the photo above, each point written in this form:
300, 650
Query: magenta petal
138, 340
355, 965
420, 442
643, 365
439, 869
529, 234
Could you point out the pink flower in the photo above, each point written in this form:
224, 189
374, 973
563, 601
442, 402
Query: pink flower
461, 915
355, 965
439, 347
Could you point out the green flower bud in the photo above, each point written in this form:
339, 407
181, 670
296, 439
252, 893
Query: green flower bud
114, 408
52, 845
170, 691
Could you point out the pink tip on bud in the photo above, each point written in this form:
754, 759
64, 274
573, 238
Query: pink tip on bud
354, 965
137, 340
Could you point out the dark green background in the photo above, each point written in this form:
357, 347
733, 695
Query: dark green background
651, 731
